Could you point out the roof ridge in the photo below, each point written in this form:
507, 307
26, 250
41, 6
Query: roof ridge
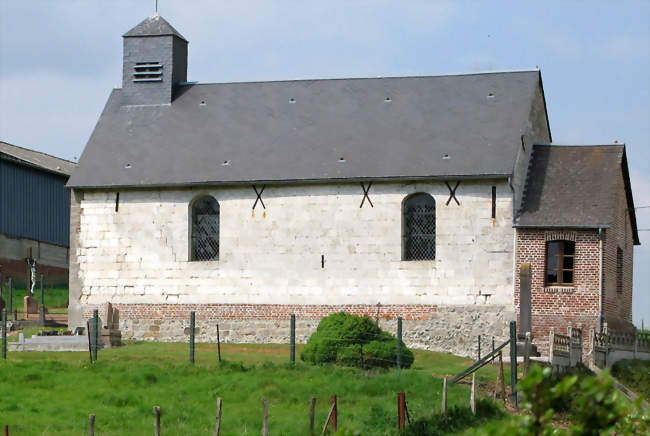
39, 152
422, 76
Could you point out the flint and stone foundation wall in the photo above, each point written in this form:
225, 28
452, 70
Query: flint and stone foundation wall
270, 262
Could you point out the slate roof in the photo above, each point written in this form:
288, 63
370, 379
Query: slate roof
36, 159
154, 25
575, 187
314, 130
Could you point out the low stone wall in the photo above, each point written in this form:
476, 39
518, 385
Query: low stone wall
452, 329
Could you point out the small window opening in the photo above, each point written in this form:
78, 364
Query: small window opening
322, 261
225, 163
490, 95
494, 202
292, 100
560, 256
117, 202
419, 227
205, 229
127, 166
341, 160
202, 103
446, 156
388, 100
147, 72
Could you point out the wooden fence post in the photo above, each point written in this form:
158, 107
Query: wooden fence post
156, 420
472, 396
217, 430
335, 413
6, 430
444, 395
401, 410
265, 427
312, 411
501, 382
91, 424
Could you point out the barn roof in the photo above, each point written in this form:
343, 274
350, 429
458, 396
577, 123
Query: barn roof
314, 130
576, 187
36, 159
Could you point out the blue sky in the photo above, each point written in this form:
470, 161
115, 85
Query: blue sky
60, 59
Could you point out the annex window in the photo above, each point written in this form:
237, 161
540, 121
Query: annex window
619, 269
147, 72
205, 229
419, 227
560, 257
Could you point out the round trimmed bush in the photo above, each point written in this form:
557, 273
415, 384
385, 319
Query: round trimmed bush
353, 340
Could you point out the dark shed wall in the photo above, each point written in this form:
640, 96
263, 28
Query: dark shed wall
34, 204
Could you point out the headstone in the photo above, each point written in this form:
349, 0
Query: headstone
30, 305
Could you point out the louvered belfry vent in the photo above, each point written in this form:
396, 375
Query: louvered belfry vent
419, 232
205, 229
147, 72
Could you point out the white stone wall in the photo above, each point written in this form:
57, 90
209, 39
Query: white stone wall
140, 253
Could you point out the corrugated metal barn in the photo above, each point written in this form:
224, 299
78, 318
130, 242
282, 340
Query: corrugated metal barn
34, 211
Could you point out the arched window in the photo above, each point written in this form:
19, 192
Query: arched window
205, 229
559, 262
419, 227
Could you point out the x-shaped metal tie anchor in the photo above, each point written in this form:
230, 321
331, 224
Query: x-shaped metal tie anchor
365, 194
452, 193
259, 196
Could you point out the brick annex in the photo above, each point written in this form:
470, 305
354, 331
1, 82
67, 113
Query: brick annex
413, 197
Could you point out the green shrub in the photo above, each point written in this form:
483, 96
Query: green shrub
594, 407
353, 340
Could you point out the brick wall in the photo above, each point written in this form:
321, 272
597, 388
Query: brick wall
556, 306
617, 307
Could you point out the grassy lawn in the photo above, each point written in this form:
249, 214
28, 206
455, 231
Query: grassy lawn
53, 393
56, 299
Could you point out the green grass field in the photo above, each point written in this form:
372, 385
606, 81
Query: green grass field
53, 393
56, 299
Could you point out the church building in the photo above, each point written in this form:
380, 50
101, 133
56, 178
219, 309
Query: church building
413, 197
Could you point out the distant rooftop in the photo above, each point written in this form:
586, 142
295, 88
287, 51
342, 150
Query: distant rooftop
36, 159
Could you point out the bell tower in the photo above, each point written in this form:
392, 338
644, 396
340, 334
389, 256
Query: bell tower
155, 59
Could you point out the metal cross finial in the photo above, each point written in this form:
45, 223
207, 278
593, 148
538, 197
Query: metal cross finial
156, 6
